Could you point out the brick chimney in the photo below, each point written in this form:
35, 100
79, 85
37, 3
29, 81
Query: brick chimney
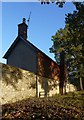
22, 29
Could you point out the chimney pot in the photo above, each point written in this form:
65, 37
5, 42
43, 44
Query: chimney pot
24, 20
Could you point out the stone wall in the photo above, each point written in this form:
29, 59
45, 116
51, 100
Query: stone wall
17, 84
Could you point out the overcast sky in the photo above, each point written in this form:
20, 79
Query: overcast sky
44, 22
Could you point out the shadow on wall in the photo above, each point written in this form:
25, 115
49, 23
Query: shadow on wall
48, 72
44, 84
47, 84
47, 68
12, 78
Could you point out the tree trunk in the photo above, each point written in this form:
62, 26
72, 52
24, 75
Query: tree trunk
81, 85
62, 72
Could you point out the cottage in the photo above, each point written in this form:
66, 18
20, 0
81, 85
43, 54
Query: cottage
23, 54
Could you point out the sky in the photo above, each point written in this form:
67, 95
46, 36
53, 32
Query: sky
45, 20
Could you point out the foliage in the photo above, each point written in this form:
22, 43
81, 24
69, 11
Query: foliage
58, 2
76, 28
71, 41
12, 78
76, 24
66, 107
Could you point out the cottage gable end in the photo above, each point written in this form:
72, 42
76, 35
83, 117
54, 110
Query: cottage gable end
22, 54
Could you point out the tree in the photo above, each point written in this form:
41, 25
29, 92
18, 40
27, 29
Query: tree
71, 41
59, 41
76, 24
